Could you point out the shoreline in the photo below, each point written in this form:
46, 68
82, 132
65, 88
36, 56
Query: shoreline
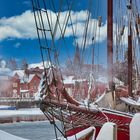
11, 116
22, 118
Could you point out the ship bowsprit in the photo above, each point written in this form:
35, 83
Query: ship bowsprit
77, 118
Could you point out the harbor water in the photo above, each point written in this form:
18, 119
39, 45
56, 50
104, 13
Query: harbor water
41, 130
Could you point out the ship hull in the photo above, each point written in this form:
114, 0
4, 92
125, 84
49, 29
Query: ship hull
121, 119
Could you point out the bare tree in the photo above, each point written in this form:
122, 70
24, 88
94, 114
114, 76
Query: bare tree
24, 64
12, 64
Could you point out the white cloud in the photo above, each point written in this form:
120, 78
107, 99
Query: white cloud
23, 26
8, 32
17, 45
98, 33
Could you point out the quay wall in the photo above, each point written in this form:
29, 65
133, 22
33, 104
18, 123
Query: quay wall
19, 103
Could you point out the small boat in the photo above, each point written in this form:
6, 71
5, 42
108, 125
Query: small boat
3, 107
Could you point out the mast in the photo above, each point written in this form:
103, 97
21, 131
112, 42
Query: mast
77, 56
130, 62
92, 57
130, 52
110, 42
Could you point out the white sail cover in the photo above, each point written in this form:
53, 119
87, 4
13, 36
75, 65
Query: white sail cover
108, 132
135, 127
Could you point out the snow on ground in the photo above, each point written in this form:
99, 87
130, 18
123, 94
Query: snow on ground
20, 112
7, 136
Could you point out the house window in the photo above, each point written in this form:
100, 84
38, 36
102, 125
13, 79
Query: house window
15, 85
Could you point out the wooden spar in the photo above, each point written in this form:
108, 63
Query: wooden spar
130, 61
130, 53
110, 42
92, 57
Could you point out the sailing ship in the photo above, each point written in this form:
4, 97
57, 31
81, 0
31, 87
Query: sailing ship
131, 90
77, 108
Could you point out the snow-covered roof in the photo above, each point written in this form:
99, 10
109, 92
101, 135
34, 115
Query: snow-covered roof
34, 65
19, 72
40, 65
69, 80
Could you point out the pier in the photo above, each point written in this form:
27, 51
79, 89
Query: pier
19, 102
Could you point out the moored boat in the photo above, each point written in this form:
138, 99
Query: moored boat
78, 110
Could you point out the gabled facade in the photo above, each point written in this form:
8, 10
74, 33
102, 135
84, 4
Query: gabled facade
30, 86
20, 83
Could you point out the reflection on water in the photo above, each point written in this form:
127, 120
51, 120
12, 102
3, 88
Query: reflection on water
31, 130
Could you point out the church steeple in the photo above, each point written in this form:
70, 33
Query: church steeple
77, 56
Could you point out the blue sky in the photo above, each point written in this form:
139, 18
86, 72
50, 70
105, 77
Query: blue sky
13, 47
20, 42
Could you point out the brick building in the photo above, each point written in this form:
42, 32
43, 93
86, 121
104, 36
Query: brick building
29, 87
15, 85
20, 83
